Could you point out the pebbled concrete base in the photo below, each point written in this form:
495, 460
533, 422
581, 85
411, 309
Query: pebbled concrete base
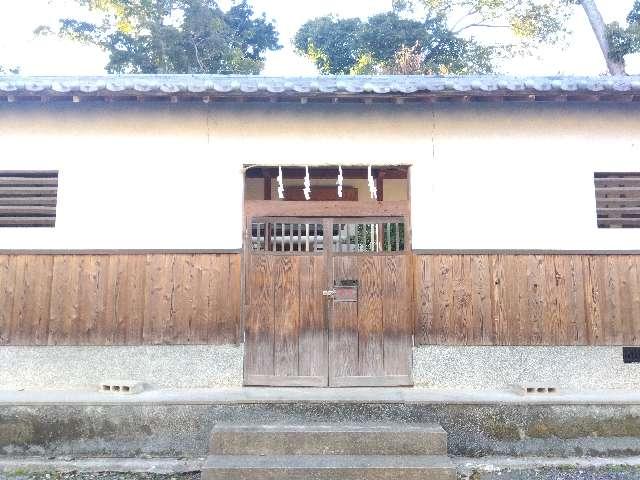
163, 366
573, 369
171, 430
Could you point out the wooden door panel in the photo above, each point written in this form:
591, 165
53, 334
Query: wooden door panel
397, 327
312, 351
370, 345
259, 319
370, 340
286, 340
286, 301
343, 351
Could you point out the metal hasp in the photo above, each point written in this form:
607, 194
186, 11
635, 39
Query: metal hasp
345, 291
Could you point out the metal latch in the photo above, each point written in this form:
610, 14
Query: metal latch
328, 293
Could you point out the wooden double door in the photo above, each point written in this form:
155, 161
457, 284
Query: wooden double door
327, 302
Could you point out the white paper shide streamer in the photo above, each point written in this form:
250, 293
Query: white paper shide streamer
373, 189
280, 184
307, 184
339, 182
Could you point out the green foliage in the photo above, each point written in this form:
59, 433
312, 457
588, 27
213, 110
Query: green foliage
9, 70
634, 14
175, 36
528, 20
344, 46
441, 41
624, 40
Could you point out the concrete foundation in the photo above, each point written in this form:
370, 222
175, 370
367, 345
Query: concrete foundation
175, 366
566, 369
173, 430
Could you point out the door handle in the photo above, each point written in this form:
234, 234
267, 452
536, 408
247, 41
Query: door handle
328, 293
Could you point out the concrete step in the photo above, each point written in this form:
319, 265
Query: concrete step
328, 467
328, 440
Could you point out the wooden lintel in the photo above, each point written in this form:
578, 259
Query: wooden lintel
277, 208
391, 172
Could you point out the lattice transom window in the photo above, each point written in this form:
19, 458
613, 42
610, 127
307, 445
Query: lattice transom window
28, 198
354, 236
286, 236
618, 199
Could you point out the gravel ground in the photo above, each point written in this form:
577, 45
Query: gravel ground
608, 473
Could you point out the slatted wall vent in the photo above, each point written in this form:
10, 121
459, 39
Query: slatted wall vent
631, 354
618, 199
28, 198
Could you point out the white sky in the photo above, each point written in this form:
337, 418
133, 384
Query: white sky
52, 56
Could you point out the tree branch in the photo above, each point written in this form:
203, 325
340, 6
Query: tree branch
482, 25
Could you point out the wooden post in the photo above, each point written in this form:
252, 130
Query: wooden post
380, 185
267, 184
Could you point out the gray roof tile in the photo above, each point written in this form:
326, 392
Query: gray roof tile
321, 85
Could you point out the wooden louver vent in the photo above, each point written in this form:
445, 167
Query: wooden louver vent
28, 198
618, 199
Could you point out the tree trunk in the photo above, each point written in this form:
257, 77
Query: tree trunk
600, 30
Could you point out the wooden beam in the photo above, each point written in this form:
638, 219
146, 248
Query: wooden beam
391, 172
275, 208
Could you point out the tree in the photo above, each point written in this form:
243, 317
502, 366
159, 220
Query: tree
615, 41
444, 37
174, 36
527, 21
351, 46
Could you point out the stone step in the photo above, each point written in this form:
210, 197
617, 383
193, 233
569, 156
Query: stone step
328, 467
425, 439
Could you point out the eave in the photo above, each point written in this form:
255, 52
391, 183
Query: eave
322, 89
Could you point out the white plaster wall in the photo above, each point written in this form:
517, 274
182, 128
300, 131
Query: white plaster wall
521, 177
145, 176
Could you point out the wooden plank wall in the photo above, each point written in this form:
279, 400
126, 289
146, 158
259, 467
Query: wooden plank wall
195, 299
119, 299
527, 299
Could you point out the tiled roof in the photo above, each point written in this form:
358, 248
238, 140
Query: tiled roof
322, 86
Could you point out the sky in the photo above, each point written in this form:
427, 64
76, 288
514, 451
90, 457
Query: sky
53, 56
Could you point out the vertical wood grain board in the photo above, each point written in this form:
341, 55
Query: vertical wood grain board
119, 299
195, 299
527, 299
